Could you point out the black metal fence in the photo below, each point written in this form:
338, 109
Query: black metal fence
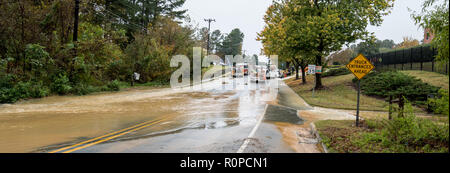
417, 58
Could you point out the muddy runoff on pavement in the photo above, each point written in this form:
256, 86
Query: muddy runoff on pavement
41, 125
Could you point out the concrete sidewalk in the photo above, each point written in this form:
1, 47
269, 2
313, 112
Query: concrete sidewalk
301, 137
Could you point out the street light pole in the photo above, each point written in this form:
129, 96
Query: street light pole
209, 28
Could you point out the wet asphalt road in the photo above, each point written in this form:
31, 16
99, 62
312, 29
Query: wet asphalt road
219, 116
213, 120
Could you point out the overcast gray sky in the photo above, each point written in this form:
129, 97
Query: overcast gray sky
247, 15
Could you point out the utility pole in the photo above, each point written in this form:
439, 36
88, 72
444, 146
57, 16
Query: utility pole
209, 28
75, 23
75, 34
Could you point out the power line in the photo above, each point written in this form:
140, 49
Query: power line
137, 26
142, 27
126, 25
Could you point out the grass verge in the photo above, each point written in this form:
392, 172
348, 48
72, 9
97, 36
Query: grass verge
432, 78
148, 85
341, 136
339, 93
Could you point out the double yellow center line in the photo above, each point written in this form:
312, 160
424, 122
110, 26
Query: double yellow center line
107, 137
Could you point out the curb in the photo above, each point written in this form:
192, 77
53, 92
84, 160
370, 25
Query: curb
316, 134
252, 133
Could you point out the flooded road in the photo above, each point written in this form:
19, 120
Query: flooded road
216, 118
222, 115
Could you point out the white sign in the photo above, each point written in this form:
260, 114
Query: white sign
136, 76
311, 69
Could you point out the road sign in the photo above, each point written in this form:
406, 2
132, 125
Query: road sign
360, 66
311, 69
136, 76
319, 69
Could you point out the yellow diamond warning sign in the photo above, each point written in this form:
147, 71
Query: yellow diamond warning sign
360, 66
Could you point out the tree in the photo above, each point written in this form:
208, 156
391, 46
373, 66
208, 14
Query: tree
275, 42
216, 40
368, 48
323, 26
341, 57
115, 39
386, 43
435, 17
408, 42
232, 43
135, 15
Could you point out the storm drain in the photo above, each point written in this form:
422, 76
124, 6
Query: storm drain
282, 114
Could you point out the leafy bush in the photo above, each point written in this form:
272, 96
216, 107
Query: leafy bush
61, 85
440, 105
38, 90
407, 133
36, 56
83, 89
336, 72
113, 85
23, 90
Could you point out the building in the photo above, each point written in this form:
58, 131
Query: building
427, 36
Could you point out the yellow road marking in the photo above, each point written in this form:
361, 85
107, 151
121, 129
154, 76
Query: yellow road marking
112, 137
109, 134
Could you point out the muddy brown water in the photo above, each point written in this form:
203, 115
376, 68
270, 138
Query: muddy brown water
41, 125
28, 125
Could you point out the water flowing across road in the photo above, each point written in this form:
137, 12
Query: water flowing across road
212, 119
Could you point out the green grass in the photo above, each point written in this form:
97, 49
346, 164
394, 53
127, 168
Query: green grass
341, 136
426, 66
154, 84
432, 78
339, 93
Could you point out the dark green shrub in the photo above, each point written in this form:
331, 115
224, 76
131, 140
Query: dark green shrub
61, 85
336, 72
406, 134
417, 132
38, 90
23, 90
440, 105
113, 85
397, 85
83, 89
7, 95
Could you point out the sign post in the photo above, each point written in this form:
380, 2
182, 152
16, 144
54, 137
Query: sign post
360, 67
312, 70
